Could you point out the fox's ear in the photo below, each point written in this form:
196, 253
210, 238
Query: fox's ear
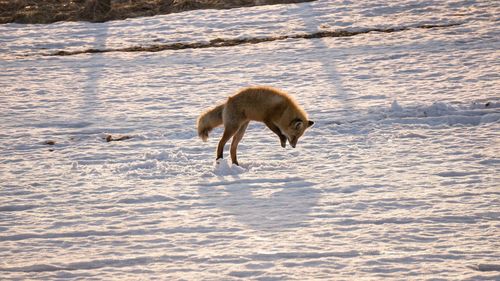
310, 123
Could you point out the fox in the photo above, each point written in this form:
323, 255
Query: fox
271, 106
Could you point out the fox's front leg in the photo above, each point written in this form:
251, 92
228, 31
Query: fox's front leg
277, 131
282, 140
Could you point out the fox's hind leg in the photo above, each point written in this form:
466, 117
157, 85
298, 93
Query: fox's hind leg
236, 139
229, 131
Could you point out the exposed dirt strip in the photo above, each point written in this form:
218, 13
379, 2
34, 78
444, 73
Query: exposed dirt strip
228, 42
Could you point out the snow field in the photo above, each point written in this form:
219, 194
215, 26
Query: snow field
397, 179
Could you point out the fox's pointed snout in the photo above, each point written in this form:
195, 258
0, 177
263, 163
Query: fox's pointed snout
293, 141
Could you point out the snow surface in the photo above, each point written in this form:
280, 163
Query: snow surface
399, 177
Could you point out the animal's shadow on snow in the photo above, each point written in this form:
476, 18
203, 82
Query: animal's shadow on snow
264, 204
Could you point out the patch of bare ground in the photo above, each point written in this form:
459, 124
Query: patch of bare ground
229, 42
49, 11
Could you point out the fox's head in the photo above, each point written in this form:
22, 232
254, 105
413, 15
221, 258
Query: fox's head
296, 129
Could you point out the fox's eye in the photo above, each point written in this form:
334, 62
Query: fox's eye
297, 124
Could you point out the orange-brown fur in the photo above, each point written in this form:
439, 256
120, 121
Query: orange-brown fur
271, 106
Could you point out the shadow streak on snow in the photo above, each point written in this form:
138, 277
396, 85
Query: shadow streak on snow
112, 233
228, 42
90, 99
329, 66
142, 260
264, 204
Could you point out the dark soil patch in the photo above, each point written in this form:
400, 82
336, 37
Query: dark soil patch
49, 11
110, 138
229, 42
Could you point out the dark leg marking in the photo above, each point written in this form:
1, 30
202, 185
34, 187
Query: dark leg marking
277, 131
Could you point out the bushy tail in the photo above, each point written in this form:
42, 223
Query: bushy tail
209, 120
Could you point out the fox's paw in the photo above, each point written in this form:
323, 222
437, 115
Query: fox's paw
283, 143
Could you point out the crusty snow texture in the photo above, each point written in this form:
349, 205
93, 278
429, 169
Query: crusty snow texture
398, 179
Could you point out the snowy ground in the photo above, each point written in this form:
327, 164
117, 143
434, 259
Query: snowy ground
398, 179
